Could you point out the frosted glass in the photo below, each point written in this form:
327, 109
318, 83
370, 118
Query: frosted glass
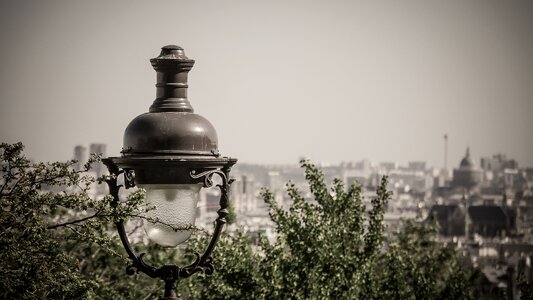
175, 204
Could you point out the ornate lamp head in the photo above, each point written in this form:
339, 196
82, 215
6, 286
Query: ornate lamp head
172, 153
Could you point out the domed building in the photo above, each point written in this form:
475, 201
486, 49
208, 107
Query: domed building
467, 176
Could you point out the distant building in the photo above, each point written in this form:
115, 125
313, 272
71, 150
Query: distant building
98, 149
484, 220
467, 176
97, 169
386, 167
353, 175
275, 182
416, 166
497, 163
80, 155
490, 221
450, 217
363, 165
212, 201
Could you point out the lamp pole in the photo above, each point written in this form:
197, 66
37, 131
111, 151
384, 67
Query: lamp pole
171, 152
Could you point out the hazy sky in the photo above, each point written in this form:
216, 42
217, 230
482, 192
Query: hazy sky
330, 80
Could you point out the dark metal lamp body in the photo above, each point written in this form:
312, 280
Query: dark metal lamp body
171, 145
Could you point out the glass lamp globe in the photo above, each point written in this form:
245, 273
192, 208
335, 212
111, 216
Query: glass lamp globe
175, 208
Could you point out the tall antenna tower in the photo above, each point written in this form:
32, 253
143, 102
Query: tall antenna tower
445, 151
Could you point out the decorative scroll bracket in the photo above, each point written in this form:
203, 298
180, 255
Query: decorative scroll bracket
171, 273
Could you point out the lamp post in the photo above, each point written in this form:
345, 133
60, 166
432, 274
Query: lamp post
172, 153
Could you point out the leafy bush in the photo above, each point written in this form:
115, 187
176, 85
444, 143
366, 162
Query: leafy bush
333, 248
61, 244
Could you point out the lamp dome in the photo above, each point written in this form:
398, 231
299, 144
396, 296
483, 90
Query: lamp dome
170, 127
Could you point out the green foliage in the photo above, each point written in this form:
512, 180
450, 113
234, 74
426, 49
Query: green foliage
59, 243
333, 248
526, 288
33, 264
417, 266
56, 240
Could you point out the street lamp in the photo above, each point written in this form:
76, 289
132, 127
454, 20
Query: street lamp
172, 153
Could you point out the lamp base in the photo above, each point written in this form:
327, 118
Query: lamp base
170, 291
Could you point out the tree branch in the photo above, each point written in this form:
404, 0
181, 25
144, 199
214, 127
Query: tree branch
73, 222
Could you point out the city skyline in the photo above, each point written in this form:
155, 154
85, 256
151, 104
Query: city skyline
82, 152
355, 80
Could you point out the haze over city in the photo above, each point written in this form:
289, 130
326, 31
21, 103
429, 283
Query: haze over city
329, 80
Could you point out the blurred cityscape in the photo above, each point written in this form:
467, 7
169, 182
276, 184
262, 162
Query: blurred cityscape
484, 207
